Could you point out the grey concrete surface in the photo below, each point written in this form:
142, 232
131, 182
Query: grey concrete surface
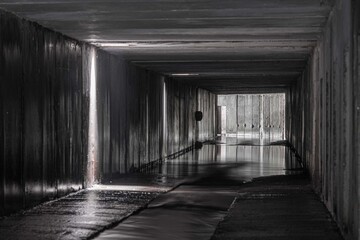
225, 40
43, 107
278, 207
325, 117
78, 216
84, 214
307, 48
211, 178
46, 147
216, 203
188, 212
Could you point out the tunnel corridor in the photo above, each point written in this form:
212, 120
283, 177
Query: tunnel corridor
179, 119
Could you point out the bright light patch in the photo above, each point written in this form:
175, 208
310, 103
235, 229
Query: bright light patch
93, 123
130, 188
164, 119
184, 74
113, 44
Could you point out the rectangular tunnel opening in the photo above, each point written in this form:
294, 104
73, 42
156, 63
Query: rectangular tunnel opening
255, 116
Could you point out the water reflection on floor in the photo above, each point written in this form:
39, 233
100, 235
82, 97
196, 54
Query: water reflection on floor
244, 160
241, 159
207, 183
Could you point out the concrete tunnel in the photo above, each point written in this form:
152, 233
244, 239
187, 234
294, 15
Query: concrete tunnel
97, 98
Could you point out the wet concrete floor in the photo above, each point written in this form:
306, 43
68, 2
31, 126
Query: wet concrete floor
184, 198
278, 208
212, 179
78, 216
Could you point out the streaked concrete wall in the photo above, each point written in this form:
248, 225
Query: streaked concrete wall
45, 96
43, 114
131, 116
325, 125
134, 127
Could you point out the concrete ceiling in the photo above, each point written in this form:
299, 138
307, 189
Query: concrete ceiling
221, 45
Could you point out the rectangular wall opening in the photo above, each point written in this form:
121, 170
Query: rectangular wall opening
260, 116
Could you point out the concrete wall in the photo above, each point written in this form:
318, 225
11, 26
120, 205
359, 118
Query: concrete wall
59, 134
140, 123
131, 109
325, 126
43, 114
136, 123
206, 103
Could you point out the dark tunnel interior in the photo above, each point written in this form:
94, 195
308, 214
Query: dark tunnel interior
115, 111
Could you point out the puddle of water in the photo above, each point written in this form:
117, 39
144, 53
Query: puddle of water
209, 179
247, 162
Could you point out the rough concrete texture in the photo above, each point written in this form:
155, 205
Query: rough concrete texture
78, 216
223, 46
43, 109
187, 212
134, 126
209, 184
45, 116
211, 178
279, 207
226, 45
325, 117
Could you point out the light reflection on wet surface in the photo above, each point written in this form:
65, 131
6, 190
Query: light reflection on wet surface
208, 181
76, 216
243, 162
